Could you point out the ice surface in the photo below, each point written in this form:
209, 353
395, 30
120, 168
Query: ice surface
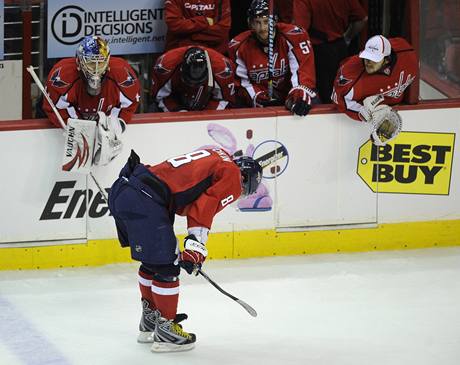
379, 308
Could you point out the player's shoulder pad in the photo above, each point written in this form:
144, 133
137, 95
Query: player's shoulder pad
168, 62
349, 71
63, 74
222, 67
291, 30
400, 44
236, 42
122, 73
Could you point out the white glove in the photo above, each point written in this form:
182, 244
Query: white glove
370, 105
201, 233
109, 144
194, 254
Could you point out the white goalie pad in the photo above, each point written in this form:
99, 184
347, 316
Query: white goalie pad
79, 145
386, 125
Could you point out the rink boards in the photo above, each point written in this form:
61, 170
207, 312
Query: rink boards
326, 188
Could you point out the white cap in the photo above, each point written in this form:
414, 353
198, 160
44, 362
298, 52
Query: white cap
376, 48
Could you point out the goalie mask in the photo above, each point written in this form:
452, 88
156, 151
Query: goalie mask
194, 69
251, 174
92, 57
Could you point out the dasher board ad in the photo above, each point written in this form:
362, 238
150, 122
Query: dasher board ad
130, 27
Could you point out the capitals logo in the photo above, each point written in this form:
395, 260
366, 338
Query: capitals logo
160, 68
227, 72
56, 79
130, 80
259, 74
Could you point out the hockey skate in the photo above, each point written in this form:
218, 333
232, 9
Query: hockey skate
169, 336
147, 323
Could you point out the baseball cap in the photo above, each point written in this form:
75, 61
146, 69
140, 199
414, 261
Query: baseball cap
377, 47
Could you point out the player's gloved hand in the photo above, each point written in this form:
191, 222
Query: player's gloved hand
109, 144
370, 105
386, 126
193, 255
262, 99
298, 100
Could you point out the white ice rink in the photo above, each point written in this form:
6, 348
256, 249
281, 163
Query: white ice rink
380, 308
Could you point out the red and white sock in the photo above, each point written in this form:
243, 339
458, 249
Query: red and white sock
145, 285
165, 297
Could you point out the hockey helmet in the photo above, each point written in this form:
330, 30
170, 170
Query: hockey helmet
251, 173
194, 69
92, 58
258, 8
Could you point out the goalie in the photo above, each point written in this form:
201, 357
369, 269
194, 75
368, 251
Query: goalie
366, 86
94, 86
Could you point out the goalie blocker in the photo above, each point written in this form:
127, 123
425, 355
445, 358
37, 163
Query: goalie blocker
88, 142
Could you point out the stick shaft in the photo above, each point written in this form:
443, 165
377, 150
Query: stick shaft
100, 188
245, 305
31, 70
271, 38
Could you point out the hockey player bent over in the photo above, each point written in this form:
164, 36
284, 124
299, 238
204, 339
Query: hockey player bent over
293, 75
144, 200
193, 78
367, 85
93, 85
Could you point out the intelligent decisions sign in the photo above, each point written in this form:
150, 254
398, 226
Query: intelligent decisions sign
130, 27
414, 163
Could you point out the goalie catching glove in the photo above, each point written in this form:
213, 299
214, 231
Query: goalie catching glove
386, 127
193, 255
385, 122
299, 99
109, 144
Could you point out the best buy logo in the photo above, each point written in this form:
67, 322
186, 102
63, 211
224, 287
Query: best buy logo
414, 163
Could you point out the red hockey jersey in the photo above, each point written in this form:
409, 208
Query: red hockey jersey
202, 183
294, 62
120, 92
172, 94
353, 84
187, 24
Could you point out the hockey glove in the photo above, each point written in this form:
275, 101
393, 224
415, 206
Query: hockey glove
387, 124
262, 99
298, 100
370, 105
193, 255
109, 144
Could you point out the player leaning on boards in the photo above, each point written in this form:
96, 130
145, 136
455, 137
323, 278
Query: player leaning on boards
95, 86
193, 78
291, 72
366, 85
144, 201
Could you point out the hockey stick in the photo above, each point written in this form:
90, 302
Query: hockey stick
210, 75
271, 37
31, 70
37, 80
245, 305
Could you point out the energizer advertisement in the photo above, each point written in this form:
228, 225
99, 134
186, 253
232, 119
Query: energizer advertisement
130, 27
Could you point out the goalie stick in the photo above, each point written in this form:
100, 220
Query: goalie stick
39, 84
245, 305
